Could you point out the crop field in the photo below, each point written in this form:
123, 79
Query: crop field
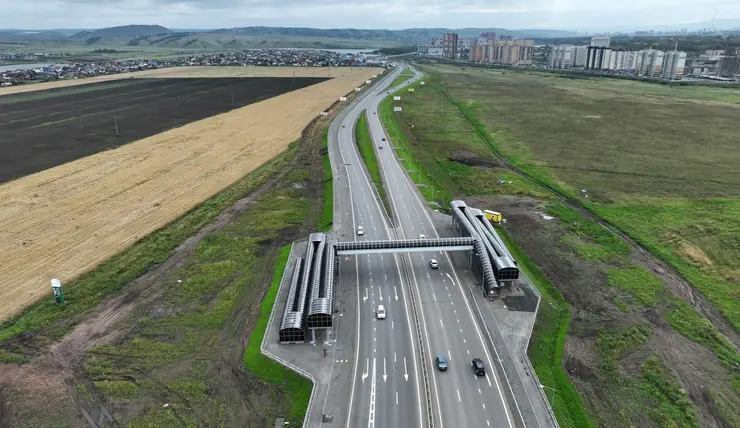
623, 340
63, 221
40, 130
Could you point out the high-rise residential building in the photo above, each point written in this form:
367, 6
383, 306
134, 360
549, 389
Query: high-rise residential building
449, 46
579, 57
673, 65
512, 52
436, 42
650, 63
729, 66
488, 36
562, 56
600, 41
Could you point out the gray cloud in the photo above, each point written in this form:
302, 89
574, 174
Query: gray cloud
570, 14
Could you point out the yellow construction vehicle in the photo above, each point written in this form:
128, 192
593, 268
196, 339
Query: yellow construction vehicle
493, 216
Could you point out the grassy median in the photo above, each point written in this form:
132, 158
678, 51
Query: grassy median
366, 145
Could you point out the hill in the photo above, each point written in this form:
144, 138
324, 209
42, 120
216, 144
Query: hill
123, 31
407, 36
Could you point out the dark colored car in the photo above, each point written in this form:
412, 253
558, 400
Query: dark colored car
478, 367
441, 362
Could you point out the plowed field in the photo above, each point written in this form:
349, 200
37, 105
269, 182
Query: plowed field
61, 222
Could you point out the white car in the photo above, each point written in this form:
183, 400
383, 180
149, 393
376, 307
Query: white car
360, 231
380, 312
433, 263
422, 236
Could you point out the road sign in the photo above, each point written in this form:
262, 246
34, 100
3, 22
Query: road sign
358, 89
56, 287
396, 98
368, 81
342, 98
411, 89
397, 108
422, 83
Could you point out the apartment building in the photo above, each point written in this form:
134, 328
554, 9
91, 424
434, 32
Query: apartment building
674, 64
449, 46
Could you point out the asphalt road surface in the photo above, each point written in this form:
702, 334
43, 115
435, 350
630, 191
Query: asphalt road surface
385, 384
386, 352
461, 398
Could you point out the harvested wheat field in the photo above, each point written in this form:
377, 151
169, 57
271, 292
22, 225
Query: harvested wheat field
62, 222
204, 71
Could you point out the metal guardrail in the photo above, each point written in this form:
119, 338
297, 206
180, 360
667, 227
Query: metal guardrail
422, 352
528, 363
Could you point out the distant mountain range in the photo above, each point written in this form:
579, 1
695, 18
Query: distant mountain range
237, 38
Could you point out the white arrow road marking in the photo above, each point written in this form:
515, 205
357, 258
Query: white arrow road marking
458, 396
452, 280
365, 298
385, 374
395, 291
381, 294
364, 375
405, 371
440, 323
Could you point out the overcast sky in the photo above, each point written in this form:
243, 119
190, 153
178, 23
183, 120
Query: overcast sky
393, 14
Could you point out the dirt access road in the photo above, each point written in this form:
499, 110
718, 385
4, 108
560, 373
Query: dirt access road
64, 221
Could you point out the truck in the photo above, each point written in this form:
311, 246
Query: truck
492, 216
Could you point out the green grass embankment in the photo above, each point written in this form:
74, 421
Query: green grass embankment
297, 386
326, 219
366, 145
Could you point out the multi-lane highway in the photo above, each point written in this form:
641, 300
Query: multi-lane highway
387, 353
385, 384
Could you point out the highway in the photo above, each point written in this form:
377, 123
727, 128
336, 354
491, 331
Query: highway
462, 399
458, 397
385, 384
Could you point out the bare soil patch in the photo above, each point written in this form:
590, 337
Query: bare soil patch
41, 130
64, 221
583, 284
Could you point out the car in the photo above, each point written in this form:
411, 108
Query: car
478, 367
375, 112
382, 139
380, 312
422, 236
360, 230
344, 126
433, 264
380, 147
441, 361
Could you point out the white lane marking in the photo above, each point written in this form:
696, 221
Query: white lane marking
458, 395
440, 323
371, 416
393, 327
434, 297
396, 397
428, 276
366, 296
458, 320
468, 351
449, 355
405, 370
448, 276
394, 357
484, 406
395, 291
386, 276
479, 391
488, 423
489, 381
464, 341
385, 373
380, 292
